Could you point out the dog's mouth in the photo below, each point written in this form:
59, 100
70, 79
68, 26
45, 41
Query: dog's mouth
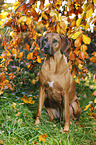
48, 50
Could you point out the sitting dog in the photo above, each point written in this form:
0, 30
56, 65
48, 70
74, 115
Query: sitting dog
57, 86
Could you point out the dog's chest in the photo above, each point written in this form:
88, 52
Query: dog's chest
54, 79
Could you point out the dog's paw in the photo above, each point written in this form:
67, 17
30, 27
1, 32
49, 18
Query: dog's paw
66, 128
37, 121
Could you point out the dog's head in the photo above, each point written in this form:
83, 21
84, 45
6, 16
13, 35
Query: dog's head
52, 42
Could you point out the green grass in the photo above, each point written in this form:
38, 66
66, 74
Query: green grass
17, 122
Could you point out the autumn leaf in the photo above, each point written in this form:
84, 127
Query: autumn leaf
89, 13
76, 34
27, 100
93, 59
14, 52
84, 48
38, 59
30, 55
78, 22
86, 39
18, 114
94, 2
14, 105
42, 137
3, 15
87, 107
27, 46
77, 42
94, 95
20, 55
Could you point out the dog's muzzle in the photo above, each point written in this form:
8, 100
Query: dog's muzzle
48, 50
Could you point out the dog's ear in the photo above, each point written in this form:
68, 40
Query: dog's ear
65, 43
39, 41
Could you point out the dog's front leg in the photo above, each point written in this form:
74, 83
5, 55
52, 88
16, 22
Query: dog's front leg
66, 111
41, 102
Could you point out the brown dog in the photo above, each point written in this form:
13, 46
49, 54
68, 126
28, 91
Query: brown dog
55, 79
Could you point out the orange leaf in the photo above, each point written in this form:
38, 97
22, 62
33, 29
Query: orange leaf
82, 55
14, 52
20, 54
94, 94
78, 41
27, 100
27, 46
42, 137
30, 55
72, 55
93, 59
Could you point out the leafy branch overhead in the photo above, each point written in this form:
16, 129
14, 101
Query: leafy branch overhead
28, 20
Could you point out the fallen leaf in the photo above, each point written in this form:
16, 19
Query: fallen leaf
87, 107
14, 105
42, 137
94, 95
27, 100
18, 114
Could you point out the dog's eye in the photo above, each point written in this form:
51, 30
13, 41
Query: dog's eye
55, 41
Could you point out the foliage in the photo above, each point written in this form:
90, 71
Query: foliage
29, 20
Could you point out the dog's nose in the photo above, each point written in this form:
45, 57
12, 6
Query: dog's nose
46, 48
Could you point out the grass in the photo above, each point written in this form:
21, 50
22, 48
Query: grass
17, 121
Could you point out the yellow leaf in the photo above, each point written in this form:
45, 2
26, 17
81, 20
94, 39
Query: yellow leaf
14, 105
42, 137
3, 60
28, 21
84, 48
86, 39
16, 3
23, 18
38, 59
94, 2
1, 92
76, 35
89, 13
85, 6
87, 107
77, 80
80, 66
3, 15
20, 55
78, 22
14, 52
30, 55
53, 13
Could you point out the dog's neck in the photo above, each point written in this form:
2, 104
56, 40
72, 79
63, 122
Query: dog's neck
54, 63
